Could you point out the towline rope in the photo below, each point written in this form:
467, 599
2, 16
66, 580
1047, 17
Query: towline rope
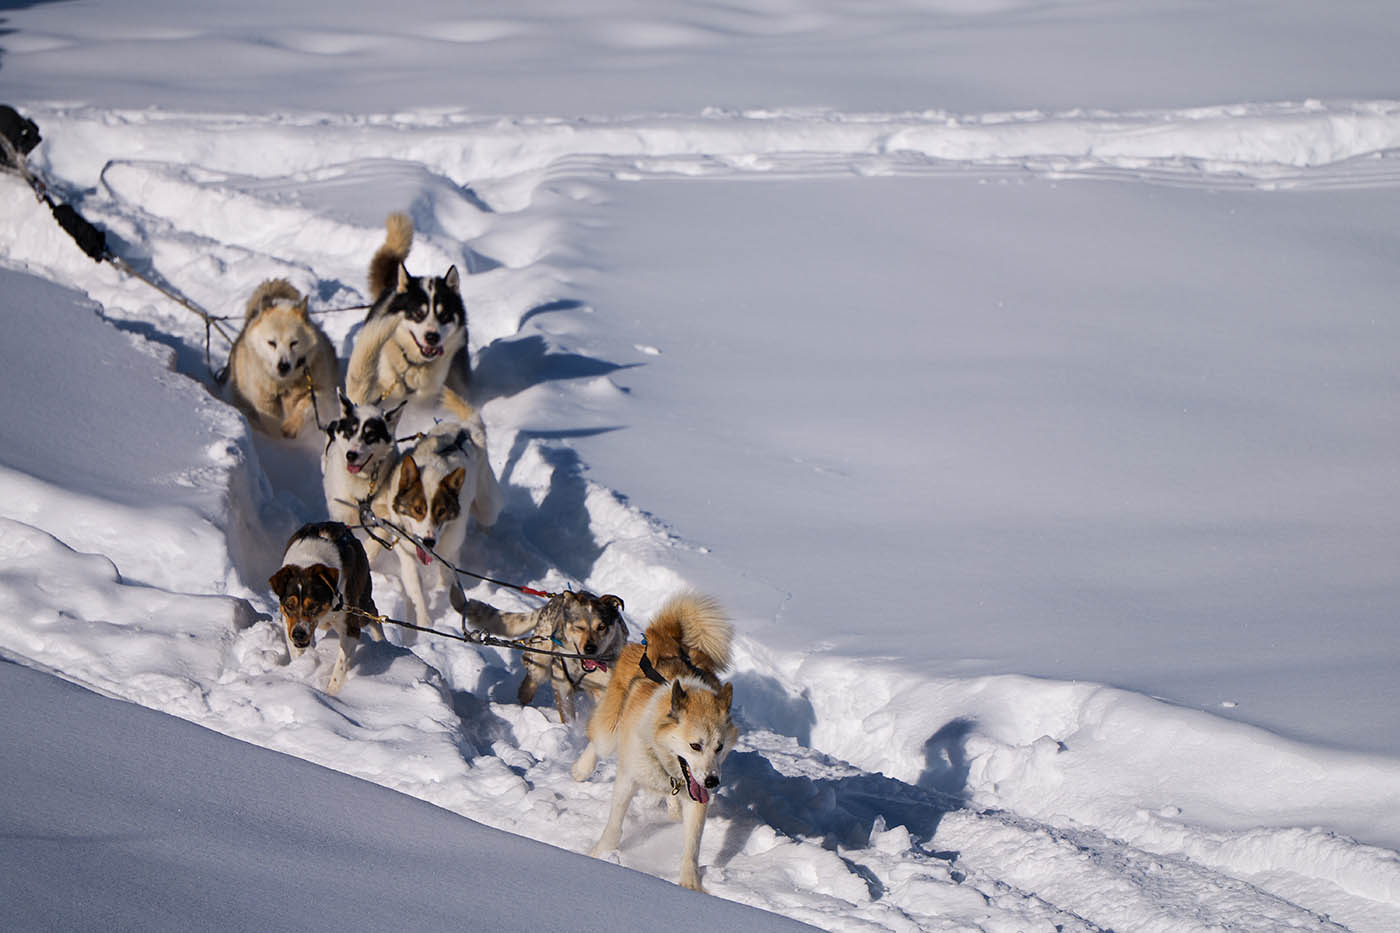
369, 521
474, 637
93, 241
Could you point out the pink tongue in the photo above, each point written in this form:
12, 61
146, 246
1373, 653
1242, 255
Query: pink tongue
353, 467
697, 792
424, 557
594, 666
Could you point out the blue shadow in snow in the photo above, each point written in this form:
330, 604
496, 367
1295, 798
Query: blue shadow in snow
506, 367
839, 812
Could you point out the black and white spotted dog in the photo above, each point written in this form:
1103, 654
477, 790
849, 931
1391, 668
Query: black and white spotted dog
413, 344
359, 456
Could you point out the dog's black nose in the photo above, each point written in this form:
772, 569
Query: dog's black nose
301, 637
431, 338
351, 456
712, 781
429, 542
590, 648
283, 368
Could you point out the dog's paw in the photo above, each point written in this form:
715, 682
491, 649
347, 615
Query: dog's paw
583, 768
691, 880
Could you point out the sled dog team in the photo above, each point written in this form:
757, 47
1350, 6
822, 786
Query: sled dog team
658, 706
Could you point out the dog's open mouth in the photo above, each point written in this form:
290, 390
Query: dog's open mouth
429, 353
590, 665
353, 467
423, 556
694, 788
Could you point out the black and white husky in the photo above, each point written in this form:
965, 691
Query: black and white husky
359, 456
413, 344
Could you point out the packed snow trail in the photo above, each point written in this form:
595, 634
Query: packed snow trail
1020, 813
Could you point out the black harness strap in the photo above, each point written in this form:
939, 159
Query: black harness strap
653, 674
650, 671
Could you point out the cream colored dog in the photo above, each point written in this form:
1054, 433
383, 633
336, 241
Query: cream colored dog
667, 718
279, 360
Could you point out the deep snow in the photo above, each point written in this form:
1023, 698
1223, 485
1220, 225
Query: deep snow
991, 428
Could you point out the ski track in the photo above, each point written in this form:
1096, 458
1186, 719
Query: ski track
214, 204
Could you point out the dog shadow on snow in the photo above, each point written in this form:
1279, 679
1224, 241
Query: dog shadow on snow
480, 728
509, 366
842, 811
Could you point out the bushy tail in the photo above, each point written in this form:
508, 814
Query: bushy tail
384, 267
493, 621
270, 293
699, 624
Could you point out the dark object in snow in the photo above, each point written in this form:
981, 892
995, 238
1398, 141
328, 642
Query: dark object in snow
89, 239
21, 132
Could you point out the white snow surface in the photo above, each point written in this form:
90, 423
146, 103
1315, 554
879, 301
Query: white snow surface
1019, 375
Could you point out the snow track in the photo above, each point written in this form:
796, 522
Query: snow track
1013, 811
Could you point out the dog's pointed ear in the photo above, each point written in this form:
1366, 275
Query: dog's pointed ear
677, 698
392, 415
330, 576
408, 472
303, 308
404, 278
453, 481
609, 599
346, 406
726, 696
453, 280
281, 581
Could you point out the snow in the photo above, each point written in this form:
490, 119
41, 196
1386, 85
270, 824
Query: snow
1020, 376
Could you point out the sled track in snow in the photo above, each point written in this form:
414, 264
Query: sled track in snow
864, 850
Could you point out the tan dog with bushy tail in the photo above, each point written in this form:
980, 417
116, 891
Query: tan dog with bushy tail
269, 365
667, 718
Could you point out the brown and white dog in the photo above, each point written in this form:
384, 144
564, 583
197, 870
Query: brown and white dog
667, 718
279, 360
430, 494
324, 574
574, 623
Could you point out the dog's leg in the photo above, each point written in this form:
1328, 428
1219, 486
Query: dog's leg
448, 576
690, 855
413, 591
624, 788
564, 700
535, 674
295, 419
587, 761
342, 661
